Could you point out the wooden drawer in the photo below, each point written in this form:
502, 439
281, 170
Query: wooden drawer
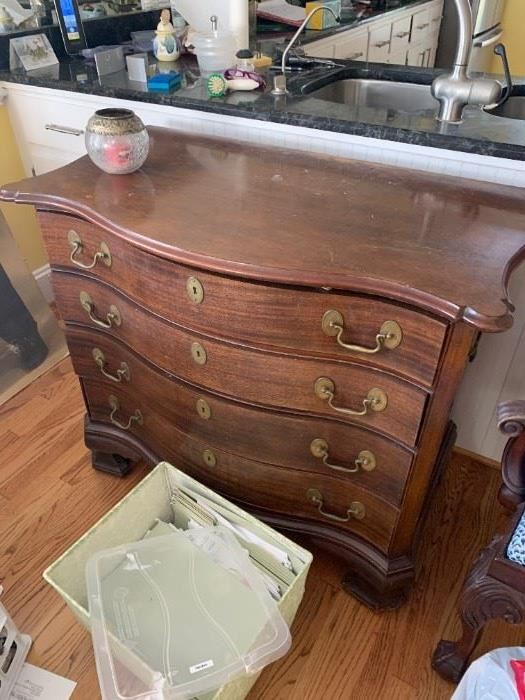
267, 436
264, 378
266, 486
266, 316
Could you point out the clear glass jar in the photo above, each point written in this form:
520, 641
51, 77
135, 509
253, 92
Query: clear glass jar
117, 141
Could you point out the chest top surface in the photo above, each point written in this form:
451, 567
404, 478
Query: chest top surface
445, 244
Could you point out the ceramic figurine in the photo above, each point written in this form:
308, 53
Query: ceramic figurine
165, 44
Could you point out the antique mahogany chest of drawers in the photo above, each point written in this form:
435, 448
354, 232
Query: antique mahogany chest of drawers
290, 330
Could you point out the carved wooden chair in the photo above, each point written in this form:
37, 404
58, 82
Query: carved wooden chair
495, 586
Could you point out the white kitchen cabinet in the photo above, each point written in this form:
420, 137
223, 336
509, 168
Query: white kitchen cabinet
354, 47
380, 38
321, 49
406, 36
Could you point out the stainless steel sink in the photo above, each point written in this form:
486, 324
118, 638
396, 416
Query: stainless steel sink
513, 108
379, 94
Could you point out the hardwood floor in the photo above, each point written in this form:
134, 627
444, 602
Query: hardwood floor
49, 495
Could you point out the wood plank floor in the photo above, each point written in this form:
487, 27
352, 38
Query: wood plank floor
49, 495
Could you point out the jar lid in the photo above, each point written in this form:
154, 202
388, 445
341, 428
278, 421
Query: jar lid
176, 616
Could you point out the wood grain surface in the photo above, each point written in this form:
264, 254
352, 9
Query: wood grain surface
273, 316
246, 374
442, 243
50, 495
262, 435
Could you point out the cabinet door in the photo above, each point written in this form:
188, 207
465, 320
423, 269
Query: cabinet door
379, 44
400, 38
44, 159
320, 49
417, 56
436, 14
353, 48
421, 27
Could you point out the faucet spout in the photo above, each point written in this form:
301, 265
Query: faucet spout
280, 81
464, 47
456, 90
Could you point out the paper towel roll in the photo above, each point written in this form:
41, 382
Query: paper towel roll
238, 21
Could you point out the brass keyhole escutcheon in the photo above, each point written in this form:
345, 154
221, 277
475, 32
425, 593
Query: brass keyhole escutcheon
378, 400
209, 458
203, 409
198, 353
195, 290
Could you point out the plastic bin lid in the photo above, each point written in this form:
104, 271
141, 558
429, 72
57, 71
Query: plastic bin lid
179, 615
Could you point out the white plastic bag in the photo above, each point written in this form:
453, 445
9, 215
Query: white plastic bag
491, 677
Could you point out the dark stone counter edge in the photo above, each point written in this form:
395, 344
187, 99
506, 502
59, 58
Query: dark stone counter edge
265, 113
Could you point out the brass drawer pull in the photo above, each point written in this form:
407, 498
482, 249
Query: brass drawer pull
355, 510
113, 317
76, 245
390, 334
365, 460
115, 406
121, 373
376, 399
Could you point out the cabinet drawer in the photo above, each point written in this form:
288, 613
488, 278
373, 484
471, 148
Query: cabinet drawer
320, 49
267, 316
239, 372
267, 436
379, 43
353, 48
421, 27
50, 124
436, 14
400, 36
275, 488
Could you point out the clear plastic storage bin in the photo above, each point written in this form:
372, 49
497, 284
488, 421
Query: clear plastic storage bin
129, 522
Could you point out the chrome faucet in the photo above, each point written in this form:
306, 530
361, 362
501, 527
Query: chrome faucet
456, 90
279, 81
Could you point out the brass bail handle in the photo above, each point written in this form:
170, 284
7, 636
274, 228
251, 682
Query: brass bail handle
376, 399
365, 460
76, 245
115, 407
390, 334
113, 317
356, 509
121, 373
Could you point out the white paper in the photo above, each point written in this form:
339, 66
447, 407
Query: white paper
15, 10
32, 51
36, 683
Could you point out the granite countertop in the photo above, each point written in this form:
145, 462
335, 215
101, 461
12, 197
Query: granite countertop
479, 132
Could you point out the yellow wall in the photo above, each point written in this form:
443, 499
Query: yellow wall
21, 219
513, 37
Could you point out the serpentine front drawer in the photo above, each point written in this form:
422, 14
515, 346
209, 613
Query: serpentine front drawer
346, 392
313, 445
379, 333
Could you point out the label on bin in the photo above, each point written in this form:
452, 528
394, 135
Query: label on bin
201, 667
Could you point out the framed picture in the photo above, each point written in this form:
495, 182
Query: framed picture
32, 51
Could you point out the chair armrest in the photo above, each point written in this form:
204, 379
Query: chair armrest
511, 417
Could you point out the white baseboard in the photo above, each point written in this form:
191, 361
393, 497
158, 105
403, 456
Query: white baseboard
42, 277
